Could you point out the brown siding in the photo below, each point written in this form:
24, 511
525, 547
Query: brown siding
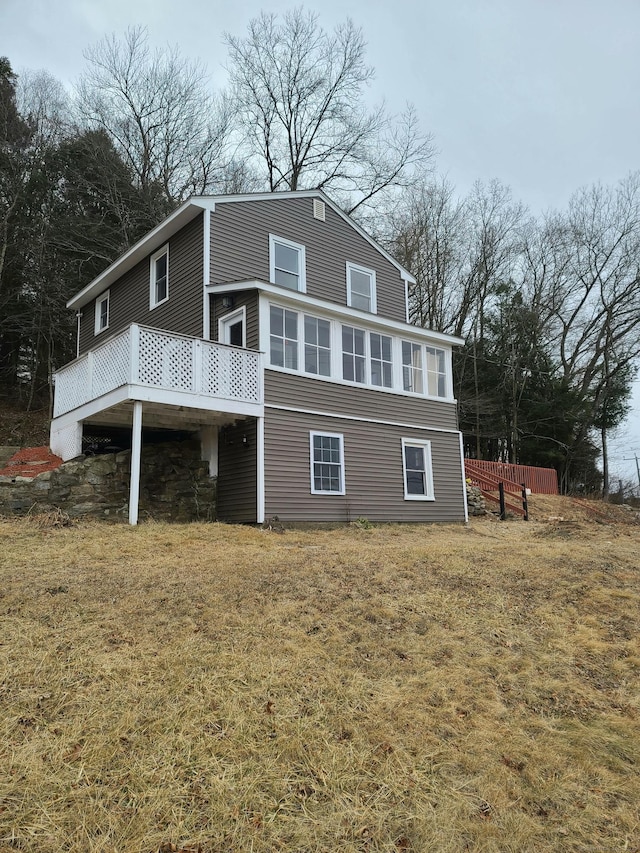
129, 299
301, 392
237, 473
373, 472
240, 249
248, 298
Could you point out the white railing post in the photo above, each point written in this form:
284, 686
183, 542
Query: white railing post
89, 390
197, 366
134, 355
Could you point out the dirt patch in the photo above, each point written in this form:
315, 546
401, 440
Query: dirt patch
31, 461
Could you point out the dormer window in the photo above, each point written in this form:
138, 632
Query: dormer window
159, 284
361, 288
287, 264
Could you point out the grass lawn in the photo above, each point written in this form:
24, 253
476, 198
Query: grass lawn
220, 688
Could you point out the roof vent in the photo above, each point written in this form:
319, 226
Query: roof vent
318, 209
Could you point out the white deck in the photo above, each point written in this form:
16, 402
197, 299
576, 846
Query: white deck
182, 381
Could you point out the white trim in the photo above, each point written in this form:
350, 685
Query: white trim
206, 274
350, 267
163, 250
425, 444
406, 298
97, 328
302, 261
340, 436
303, 302
260, 488
226, 320
339, 416
464, 481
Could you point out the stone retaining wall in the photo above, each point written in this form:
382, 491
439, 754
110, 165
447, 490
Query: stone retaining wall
174, 486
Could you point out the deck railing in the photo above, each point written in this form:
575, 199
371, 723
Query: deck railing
153, 358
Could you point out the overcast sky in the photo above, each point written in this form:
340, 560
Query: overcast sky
542, 94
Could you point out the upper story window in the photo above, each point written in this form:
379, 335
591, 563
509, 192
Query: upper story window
381, 360
317, 346
102, 313
287, 264
283, 338
159, 285
436, 372
361, 288
354, 357
412, 373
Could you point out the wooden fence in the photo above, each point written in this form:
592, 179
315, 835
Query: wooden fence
541, 481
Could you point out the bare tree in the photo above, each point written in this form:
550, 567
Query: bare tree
298, 92
156, 108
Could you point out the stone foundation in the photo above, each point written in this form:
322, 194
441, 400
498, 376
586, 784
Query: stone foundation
174, 486
475, 501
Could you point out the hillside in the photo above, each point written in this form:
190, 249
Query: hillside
219, 688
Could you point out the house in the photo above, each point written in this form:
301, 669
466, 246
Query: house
276, 330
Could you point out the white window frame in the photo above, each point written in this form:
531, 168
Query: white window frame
415, 370
322, 434
153, 302
425, 445
104, 297
230, 319
364, 356
317, 346
284, 338
436, 373
381, 360
302, 262
372, 291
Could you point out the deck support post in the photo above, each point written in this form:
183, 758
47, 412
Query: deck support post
136, 450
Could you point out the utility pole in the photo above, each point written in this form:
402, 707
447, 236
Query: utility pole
627, 459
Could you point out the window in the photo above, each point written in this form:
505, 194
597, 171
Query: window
361, 288
381, 364
327, 464
284, 338
317, 346
354, 359
287, 264
231, 328
159, 288
102, 313
412, 367
436, 372
418, 477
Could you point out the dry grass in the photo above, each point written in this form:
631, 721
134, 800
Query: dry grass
227, 689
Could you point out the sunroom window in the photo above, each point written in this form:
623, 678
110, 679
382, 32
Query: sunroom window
436, 372
283, 338
412, 379
317, 346
381, 363
354, 360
